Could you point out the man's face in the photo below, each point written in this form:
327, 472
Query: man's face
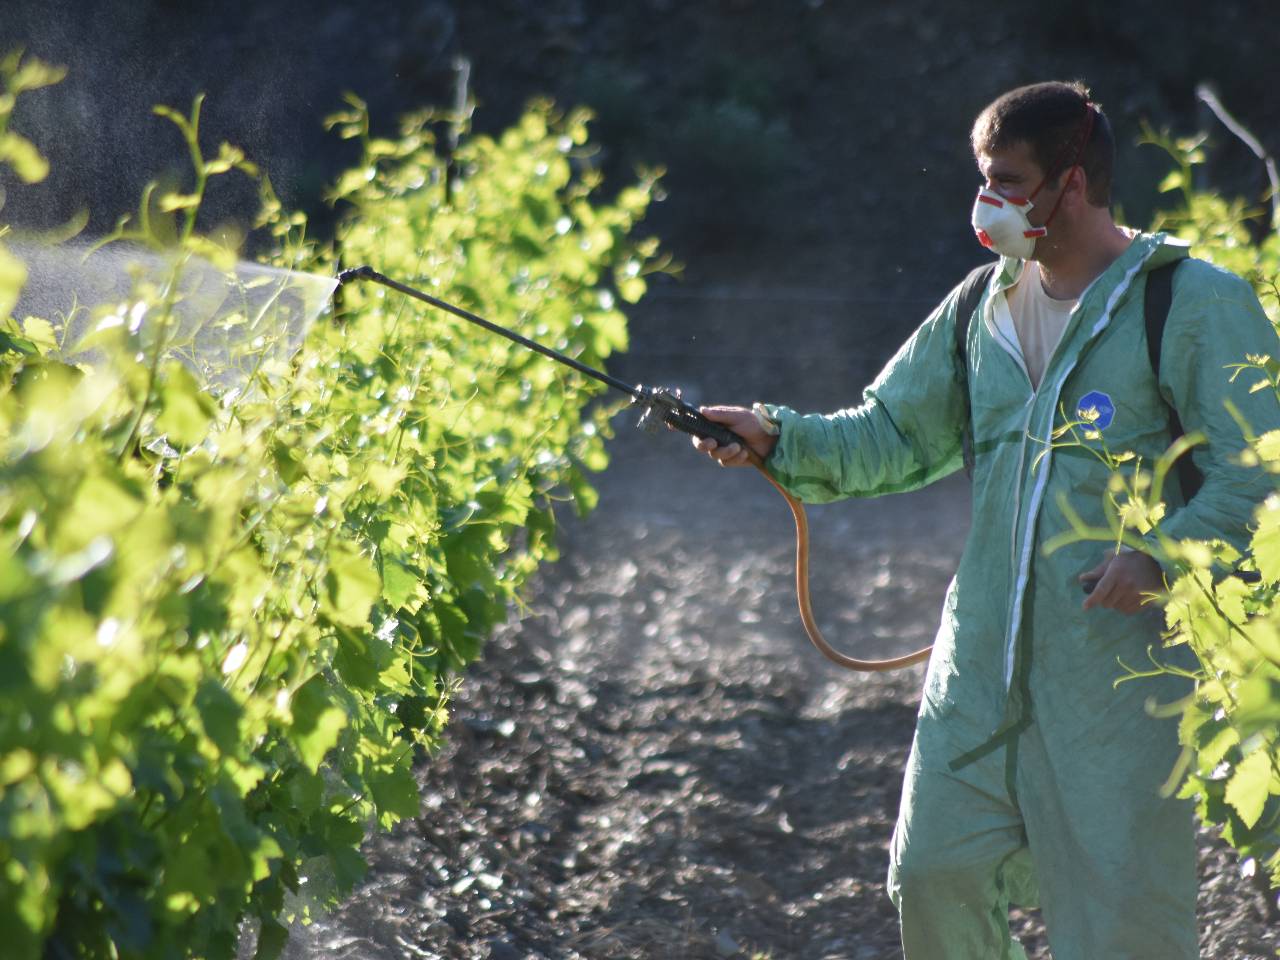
1013, 173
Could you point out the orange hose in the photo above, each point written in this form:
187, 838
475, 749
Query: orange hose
802, 593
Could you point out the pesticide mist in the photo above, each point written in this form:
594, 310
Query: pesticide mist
226, 324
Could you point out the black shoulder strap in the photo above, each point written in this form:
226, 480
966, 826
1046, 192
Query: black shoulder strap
1157, 300
971, 290
1155, 308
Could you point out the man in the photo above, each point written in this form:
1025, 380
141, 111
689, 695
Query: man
1031, 779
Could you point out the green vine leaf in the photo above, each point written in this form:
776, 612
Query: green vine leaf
1250, 782
352, 585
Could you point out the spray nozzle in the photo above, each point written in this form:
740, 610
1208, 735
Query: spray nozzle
357, 273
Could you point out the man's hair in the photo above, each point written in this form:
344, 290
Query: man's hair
1052, 118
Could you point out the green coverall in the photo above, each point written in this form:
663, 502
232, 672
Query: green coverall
1031, 778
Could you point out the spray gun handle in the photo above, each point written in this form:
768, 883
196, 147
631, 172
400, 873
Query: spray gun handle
662, 406
704, 428
699, 426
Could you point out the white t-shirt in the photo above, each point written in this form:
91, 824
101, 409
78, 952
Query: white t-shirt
1038, 319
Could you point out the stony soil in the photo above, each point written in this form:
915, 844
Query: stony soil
653, 763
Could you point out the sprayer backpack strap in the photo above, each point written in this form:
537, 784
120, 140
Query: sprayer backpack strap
1157, 299
966, 306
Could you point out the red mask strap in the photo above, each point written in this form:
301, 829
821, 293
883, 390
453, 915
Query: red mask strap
1084, 142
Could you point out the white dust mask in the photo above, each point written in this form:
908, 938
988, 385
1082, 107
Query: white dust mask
1002, 226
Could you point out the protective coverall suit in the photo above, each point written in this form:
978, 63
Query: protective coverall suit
1031, 779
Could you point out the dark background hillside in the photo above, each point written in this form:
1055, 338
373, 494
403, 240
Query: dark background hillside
819, 179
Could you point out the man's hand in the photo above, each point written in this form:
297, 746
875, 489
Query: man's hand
1124, 581
742, 422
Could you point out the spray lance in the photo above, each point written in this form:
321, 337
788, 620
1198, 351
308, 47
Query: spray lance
659, 407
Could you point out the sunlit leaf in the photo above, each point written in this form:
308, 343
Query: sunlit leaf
21, 155
399, 583
170, 202
220, 715
317, 723
228, 157
1265, 544
1248, 788
1268, 444
32, 74
13, 277
40, 333
186, 410
351, 585
395, 791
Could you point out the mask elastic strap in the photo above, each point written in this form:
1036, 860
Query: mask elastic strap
1084, 142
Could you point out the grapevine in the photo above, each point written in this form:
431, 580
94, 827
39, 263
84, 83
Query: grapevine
230, 621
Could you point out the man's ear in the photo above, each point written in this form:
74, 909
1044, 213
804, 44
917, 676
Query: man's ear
1077, 186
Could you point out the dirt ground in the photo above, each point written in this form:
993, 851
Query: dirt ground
653, 763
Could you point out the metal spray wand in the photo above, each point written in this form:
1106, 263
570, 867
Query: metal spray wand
660, 407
